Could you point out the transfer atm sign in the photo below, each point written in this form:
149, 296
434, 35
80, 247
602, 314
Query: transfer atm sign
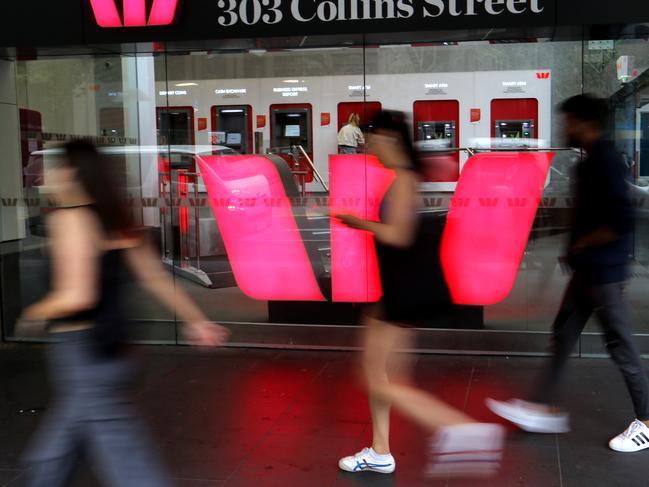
133, 13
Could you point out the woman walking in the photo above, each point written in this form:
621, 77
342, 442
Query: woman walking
410, 280
95, 249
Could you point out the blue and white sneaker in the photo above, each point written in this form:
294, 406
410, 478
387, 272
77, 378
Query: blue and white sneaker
368, 460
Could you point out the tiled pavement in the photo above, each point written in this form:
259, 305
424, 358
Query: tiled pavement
262, 418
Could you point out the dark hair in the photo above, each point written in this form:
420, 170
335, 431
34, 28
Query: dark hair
99, 181
587, 108
394, 121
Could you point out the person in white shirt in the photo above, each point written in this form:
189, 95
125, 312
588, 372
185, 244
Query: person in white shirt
351, 136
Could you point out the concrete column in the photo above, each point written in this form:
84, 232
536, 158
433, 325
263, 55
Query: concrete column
12, 224
84, 120
138, 75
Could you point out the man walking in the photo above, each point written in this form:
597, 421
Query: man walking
599, 254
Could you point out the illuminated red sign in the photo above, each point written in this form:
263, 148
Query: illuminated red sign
268, 256
489, 223
354, 268
484, 239
545, 75
134, 12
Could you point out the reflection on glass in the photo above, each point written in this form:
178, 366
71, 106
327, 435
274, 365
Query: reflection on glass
290, 98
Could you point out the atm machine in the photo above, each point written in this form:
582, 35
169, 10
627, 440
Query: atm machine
437, 134
175, 125
111, 122
441, 134
515, 129
232, 127
514, 122
291, 125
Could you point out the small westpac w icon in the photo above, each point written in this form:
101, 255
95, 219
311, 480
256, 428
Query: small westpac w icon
134, 12
543, 75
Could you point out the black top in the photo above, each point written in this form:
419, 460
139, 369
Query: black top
603, 200
412, 280
107, 315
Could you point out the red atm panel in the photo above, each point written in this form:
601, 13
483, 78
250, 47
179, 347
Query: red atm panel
516, 110
437, 128
368, 111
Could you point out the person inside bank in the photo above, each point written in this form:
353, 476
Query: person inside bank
350, 138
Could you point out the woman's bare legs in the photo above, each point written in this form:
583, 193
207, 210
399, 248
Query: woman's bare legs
387, 372
379, 342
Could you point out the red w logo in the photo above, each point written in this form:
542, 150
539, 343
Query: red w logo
482, 245
106, 13
543, 75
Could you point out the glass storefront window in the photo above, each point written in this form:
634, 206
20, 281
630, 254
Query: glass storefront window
203, 134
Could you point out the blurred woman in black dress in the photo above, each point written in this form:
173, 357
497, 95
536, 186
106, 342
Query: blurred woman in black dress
412, 284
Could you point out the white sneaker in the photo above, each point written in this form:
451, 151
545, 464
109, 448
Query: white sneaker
635, 438
368, 461
467, 450
529, 417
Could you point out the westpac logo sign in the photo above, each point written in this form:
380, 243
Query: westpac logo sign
482, 245
134, 12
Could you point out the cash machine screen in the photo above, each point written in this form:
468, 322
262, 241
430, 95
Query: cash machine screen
514, 129
233, 138
441, 134
292, 131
